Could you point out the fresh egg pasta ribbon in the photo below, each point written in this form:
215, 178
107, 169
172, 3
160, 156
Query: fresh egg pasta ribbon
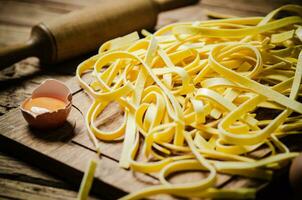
193, 96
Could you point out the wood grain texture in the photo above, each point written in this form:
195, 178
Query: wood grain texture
66, 151
56, 152
10, 189
20, 180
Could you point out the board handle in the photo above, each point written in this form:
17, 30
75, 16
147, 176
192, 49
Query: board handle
12, 54
295, 177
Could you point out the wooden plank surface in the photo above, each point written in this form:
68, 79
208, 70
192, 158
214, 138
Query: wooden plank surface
16, 16
67, 150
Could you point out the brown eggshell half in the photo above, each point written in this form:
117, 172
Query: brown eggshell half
49, 88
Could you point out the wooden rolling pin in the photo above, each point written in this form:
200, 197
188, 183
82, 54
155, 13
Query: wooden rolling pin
85, 30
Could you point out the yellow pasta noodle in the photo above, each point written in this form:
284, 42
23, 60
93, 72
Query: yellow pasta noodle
193, 94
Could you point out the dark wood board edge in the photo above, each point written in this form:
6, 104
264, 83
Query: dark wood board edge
72, 175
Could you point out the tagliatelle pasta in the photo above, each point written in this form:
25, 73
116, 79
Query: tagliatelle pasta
87, 180
192, 94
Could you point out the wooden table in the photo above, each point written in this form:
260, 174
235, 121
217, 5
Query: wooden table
19, 180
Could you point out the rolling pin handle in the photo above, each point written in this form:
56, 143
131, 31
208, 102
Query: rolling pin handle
12, 54
40, 44
165, 5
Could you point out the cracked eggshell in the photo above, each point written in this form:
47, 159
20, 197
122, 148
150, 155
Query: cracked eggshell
52, 119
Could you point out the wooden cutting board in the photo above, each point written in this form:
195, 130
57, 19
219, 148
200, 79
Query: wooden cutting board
67, 150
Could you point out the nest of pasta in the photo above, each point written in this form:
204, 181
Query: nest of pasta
202, 96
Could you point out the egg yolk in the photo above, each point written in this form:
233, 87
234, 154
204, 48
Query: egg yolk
49, 103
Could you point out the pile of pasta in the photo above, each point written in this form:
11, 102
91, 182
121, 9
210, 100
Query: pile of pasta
194, 94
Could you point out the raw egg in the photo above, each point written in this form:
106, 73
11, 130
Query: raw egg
49, 105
